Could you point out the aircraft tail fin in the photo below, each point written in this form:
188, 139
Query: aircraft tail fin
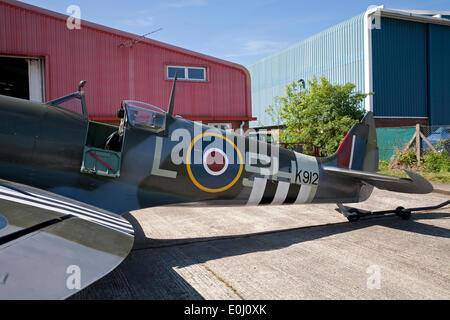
357, 158
359, 149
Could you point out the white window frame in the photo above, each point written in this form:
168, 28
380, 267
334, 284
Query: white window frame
186, 73
36, 76
36, 79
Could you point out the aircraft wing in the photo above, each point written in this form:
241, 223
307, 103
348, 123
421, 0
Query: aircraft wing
52, 247
416, 183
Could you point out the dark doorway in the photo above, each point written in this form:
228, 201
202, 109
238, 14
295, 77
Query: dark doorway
14, 78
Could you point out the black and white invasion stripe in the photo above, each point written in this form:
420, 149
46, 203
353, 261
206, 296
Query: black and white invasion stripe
280, 192
65, 207
274, 191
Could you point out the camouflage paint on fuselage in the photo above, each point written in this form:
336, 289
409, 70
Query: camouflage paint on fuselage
42, 145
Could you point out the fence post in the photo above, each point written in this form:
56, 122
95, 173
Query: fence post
427, 142
418, 143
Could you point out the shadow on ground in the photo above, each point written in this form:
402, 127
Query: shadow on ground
150, 271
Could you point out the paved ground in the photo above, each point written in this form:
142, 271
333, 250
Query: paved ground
284, 252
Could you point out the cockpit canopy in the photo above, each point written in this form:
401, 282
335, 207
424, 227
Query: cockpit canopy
145, 116
73, 102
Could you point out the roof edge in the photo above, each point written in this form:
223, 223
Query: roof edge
414, 15
124, 34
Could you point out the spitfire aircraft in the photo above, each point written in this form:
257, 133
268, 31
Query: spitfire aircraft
66, 180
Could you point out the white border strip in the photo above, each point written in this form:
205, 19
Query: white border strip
259, 186
37, 205
368, 79
304, 194
74, 206
123, 225
67, 206
281, 193
352, 151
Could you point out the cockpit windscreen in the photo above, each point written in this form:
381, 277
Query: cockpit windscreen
145, 116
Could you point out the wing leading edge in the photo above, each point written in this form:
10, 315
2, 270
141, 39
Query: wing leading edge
52, 247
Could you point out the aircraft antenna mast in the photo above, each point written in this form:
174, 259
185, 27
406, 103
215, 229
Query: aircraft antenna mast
172, 96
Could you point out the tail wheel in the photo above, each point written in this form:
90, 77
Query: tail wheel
354, 215
403, 213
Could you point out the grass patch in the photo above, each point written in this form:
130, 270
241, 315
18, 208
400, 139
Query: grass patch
443, 177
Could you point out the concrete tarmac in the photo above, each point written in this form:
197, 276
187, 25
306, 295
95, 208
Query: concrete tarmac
285, 252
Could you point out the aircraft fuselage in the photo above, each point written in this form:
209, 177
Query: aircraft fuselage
43, 145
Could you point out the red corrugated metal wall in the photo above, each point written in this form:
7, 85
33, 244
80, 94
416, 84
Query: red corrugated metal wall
115, 73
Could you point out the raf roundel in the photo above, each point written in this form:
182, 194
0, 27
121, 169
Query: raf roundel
213, 162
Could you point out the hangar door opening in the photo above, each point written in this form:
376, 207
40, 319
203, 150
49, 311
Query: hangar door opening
22, 78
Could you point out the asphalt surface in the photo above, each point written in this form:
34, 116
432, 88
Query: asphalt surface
285, 252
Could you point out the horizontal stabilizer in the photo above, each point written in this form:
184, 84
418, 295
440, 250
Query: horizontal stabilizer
415, 183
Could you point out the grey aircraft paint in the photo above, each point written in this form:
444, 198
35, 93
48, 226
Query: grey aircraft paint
49, 238
151, 159
43, 145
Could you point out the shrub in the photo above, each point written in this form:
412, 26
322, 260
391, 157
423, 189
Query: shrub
436, 161
383, 165
319, 115
407, 158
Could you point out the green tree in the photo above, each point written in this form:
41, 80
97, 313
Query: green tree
319, 115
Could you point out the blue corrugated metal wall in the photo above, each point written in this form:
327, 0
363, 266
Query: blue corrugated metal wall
410, 66
439, 72
337, 53
399, 53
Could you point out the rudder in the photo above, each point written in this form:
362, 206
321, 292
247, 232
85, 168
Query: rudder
359, 149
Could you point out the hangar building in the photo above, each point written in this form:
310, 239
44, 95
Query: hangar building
400, 55
42, 59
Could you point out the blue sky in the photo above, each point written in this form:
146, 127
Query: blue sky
239, 31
